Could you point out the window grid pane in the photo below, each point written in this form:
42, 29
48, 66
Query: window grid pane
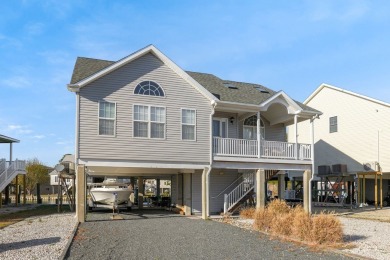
152, 126
333, 124
188, 121
188, 132
106, 126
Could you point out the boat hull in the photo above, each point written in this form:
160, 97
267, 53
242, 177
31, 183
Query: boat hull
106, 195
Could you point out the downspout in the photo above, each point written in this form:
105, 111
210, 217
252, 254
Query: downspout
312, 157
213, 106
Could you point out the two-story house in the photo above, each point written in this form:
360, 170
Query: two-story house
216, 140
354, 130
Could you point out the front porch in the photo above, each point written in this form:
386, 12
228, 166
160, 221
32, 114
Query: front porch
243, 148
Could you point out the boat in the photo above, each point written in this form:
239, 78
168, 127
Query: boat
110, 192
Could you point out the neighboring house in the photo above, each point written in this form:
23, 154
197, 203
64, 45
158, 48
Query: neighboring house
68, 160
143, 116
354, 130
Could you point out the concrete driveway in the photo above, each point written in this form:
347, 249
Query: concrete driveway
161, 235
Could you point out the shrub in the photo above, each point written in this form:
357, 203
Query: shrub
248, 212
279, 219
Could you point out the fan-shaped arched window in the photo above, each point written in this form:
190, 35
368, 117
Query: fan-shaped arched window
250, 128
149, 88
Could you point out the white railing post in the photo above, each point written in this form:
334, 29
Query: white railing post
225, 204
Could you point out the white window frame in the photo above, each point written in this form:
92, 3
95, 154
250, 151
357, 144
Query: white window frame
105, 101
254, 127
336, 125
150, 122
181, 125
150, 95
221, 119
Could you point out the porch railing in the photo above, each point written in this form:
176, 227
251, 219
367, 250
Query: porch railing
268, 149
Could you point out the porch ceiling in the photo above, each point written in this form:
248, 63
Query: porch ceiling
130, 171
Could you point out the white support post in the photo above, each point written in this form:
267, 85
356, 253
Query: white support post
296, 136
225, 203
258, 136
10, 153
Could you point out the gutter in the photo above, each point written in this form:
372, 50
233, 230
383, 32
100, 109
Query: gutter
213, 106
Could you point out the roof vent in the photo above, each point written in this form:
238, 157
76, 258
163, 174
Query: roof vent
262, 90
217, 96
229, 85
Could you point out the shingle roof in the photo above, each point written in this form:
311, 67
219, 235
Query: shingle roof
246, 93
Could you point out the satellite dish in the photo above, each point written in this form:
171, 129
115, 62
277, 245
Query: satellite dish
59, 167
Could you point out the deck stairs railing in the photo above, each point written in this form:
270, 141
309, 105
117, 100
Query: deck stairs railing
9, 170
233, 198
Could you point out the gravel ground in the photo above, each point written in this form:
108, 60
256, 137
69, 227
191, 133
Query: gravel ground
41, 237
370, 237
161, 235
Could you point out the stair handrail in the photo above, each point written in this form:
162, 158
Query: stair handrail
240, 177
238, 193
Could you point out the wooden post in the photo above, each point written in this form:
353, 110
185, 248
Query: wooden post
376, 190
16, 190
81, 196
381, 190
364, 189
24, 189
140, 192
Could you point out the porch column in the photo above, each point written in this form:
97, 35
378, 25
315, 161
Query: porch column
306, 191
10, 153
187, 194
81, 196
281, 185
258, 135
140, 192
204, 193
16, 190
260, 189
296, 135
158, 192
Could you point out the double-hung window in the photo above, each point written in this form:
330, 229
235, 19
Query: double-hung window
188, 124
107, 114
149, 121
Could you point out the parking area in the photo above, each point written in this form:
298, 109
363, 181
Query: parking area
157, 234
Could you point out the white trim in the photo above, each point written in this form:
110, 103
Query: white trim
150, 122
115, 163
262, 165
259, 160
148, 49
149, 95
324, 85
264, 106
105, 101
181, 125
77, 126
221, 119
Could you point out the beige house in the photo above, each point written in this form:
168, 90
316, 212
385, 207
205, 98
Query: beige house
216, 140
353, 130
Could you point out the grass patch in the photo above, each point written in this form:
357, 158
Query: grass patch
42, 210
294, 223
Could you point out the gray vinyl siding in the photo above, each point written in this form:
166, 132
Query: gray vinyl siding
219, 180
174, 189
197, 192
118, 86
272, 132
232, 128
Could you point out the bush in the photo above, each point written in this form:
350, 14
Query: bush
248, 212
279, 219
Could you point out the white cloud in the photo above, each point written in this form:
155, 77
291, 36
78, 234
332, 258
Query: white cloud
34, 28
16, 82
18, 129
39, 136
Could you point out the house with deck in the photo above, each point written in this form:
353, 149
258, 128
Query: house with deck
215, 140
10, 170
354, 131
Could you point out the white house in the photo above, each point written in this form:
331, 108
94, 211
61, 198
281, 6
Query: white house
353, 130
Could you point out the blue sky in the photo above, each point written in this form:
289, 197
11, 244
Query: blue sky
285, 45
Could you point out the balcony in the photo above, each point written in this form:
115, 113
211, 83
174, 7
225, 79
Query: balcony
242, 148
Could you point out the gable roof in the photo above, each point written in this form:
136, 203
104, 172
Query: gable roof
324, 85
8, 140
88, 69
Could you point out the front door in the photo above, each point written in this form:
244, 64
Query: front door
220, 127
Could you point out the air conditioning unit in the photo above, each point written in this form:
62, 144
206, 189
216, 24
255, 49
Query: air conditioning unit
339, 168
324, 170
371, 166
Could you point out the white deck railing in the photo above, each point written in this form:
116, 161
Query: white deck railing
239, 192
10, 172
269, 149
